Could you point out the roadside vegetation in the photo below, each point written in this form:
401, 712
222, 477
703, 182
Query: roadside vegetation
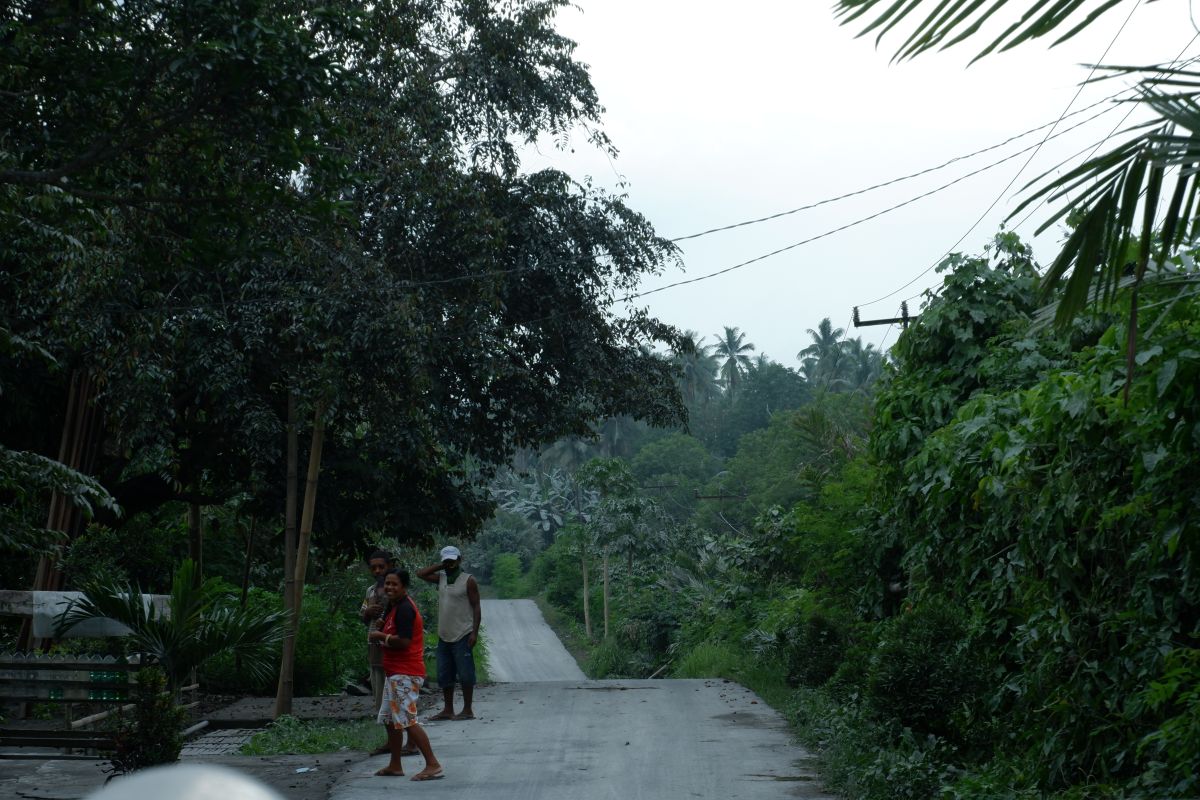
974, 578
250, 250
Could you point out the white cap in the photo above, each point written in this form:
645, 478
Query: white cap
451, 553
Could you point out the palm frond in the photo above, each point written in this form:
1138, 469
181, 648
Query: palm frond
950, 22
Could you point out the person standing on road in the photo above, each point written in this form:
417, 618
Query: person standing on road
459, 617
401, 638
371, 613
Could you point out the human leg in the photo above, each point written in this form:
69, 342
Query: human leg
377, 681
464, 665
394, 768
399, 713
433, 768
445, 677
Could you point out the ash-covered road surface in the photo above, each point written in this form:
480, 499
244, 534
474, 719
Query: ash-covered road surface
521, 646
538, 736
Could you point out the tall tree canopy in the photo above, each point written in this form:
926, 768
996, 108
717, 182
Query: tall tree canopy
209, 206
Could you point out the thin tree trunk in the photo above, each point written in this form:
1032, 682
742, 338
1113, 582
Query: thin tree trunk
1131, 344
606, 593
310, 502
587, 605
77, 449
196, 540
283, 694
249, 562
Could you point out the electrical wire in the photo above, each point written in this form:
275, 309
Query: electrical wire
867, 218
894, 181
1033, 155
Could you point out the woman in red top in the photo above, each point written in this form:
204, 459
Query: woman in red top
402, 638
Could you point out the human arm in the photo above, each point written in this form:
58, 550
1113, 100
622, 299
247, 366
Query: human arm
370, 608
397, 632
430, 574
476, 610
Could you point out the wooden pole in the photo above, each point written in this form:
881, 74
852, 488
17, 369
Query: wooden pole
606, 593
587, 613
196, 540
283, 694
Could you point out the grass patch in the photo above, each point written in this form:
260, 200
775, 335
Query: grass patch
290, 736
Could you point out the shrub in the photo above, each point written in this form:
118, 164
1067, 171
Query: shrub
507, 577
607, 660
152, 736
330, 649
922, 672
709, 660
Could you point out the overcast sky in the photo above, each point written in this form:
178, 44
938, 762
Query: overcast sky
726, 112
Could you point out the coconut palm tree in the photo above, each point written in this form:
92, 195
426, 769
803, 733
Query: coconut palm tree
197, 625
863, 364
697, 368
733, 348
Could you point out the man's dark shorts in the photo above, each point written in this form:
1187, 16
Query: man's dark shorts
455, 660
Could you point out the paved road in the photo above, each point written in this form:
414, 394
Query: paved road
597, 740
522, 647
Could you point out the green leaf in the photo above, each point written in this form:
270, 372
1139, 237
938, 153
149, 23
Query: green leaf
1151, 459
1166, 374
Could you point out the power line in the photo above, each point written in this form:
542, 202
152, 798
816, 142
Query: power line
868, 218
1133, 105
893, 181
1033, 155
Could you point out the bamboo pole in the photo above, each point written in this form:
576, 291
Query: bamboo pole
606, 593
283, 696
587, 606
195, 526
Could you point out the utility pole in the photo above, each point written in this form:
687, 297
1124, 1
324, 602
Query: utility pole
903, 319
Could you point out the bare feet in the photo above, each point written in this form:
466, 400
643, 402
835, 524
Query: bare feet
388, 772
465, 715
445, 714
429, 773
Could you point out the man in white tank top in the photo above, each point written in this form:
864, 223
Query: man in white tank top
458, 630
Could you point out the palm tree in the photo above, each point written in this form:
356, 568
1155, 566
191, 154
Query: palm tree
732, 347
697, 368
824, 362
863, 364
827, 340
197, 625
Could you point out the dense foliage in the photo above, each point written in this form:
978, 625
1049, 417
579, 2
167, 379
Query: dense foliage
979, 583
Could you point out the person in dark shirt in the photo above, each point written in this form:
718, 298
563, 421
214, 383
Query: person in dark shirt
402, 637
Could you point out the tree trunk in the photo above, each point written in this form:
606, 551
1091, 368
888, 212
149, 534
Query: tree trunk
283, 694
196, 540
77, 449
606, 593
283, 697
587, 605
248, 562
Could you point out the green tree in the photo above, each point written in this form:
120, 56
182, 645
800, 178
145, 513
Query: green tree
733, 348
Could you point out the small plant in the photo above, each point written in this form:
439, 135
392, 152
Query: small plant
290, 736
152, 736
